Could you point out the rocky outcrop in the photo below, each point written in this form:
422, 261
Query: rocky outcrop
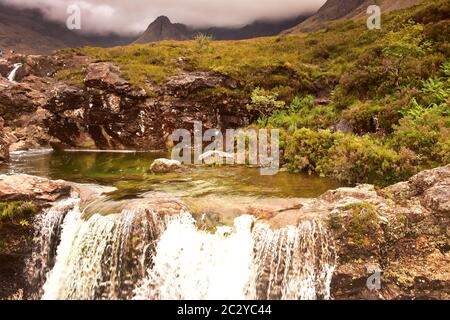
29, 188
403, 232
107, 111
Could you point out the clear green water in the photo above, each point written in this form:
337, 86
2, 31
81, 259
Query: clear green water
129, 173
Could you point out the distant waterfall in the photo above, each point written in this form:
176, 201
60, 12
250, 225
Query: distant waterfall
138, 254
12, 75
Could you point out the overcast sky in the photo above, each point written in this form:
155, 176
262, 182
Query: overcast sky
131, 16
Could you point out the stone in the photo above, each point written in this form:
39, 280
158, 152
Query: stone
165, 166
22, 187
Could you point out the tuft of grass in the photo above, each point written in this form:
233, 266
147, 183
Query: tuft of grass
17, 211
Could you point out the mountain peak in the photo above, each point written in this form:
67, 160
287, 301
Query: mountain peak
162, 19
163, 29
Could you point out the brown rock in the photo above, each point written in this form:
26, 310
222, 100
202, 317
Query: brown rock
29, 188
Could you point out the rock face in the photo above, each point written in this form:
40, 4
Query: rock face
107, 112
402, 231
165, 166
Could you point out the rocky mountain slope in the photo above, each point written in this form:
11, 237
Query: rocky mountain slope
28, 32
334, 10
163, 29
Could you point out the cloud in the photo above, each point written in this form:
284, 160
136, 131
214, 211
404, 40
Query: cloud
132, 16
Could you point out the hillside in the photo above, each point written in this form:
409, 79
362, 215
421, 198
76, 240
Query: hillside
27, 31
354, 104
334, 10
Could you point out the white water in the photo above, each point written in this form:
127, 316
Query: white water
47, 233
12, 75
197, 265
139, 255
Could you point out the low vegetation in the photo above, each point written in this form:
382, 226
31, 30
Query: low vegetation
17, 212
356, 104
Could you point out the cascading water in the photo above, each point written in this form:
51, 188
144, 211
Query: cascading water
13, 73
46, 238
138, 254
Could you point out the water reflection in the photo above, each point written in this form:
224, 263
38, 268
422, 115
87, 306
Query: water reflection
129, 173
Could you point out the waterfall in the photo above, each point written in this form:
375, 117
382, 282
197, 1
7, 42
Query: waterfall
12, 75
139, 254
47, 226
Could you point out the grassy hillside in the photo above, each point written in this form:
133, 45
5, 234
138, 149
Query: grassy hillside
392, 86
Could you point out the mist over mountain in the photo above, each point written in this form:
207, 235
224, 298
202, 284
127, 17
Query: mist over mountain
28, 31
163, 29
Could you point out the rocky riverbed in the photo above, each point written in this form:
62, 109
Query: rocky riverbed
401, 231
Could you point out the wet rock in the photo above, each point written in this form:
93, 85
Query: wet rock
165, 166
211, 157
18, 98
23, 187
4, 144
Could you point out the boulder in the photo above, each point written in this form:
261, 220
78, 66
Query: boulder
165, 166
23, 187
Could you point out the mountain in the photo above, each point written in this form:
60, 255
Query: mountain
256, 29
349, 9
27, 31
163, 29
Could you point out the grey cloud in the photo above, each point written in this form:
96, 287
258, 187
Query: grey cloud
132, 16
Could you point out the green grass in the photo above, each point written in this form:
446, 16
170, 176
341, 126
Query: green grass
17, 212
391, 85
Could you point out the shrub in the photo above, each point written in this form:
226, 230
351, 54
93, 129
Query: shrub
264, 102
307, 150
425, 131
347, 157
203, 40
362, 159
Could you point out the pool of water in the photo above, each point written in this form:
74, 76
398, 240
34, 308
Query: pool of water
129, 173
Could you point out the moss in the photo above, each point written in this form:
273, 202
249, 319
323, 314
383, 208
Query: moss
363, 224
73, 76
17, 212
335, 222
